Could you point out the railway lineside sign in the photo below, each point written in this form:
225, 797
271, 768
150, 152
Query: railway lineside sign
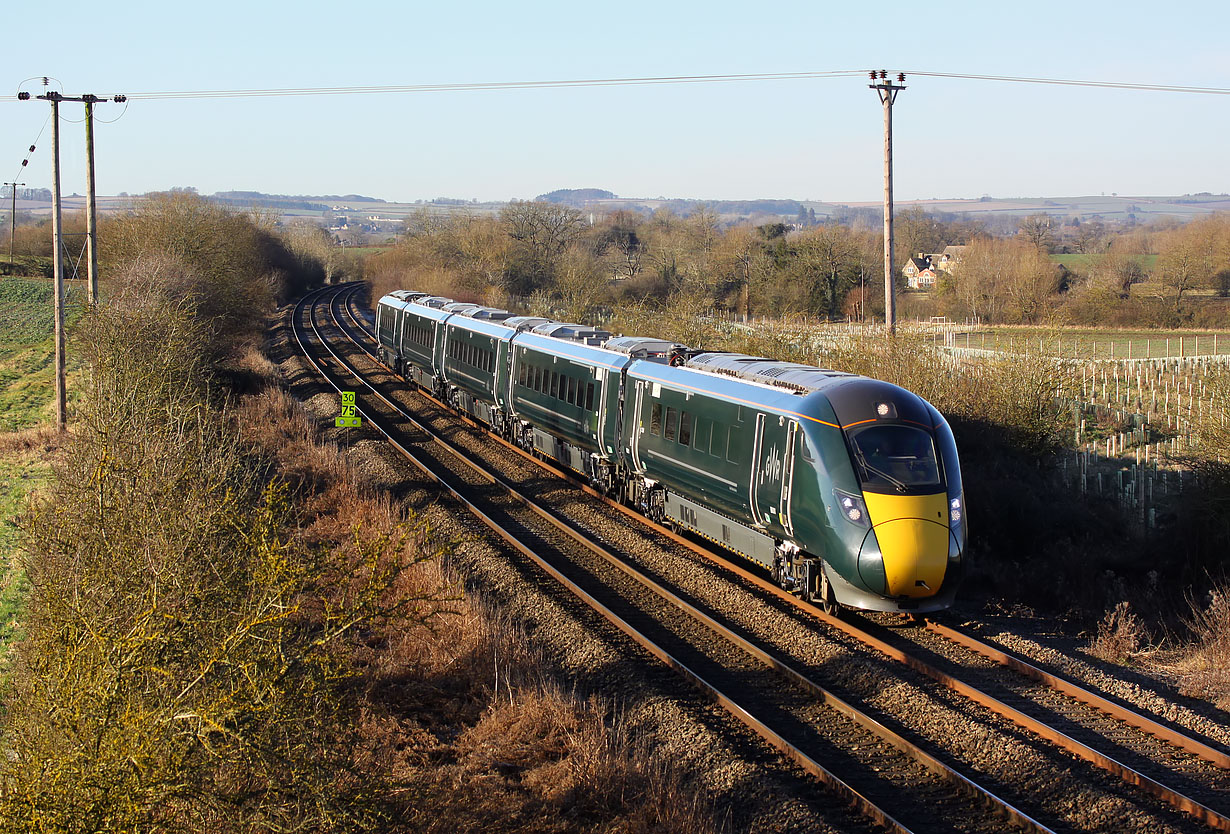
350, 413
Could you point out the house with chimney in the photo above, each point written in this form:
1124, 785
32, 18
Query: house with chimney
923, 270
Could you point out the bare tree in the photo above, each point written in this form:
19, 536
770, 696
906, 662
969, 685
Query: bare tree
1036, 230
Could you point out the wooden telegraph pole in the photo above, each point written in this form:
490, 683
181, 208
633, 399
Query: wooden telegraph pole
57, 260
887, 90
91, 201
57, 232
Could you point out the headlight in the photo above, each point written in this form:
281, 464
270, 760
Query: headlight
852, 507
954, 511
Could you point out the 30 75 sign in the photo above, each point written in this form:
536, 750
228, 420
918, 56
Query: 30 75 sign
350, 413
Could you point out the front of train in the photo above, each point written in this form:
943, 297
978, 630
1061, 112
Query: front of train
891, 487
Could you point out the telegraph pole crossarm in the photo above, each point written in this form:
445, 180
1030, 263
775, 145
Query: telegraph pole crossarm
887, 91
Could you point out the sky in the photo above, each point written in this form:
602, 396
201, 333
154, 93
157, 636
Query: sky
814, 139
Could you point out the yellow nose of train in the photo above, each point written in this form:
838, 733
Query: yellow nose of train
913, 535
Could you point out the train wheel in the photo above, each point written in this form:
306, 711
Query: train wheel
828, 600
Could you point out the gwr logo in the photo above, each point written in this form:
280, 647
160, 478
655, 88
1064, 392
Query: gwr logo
771, 467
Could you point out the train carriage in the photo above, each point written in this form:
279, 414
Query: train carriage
422, 337
822, 468
390, 316
560, 396
475, 362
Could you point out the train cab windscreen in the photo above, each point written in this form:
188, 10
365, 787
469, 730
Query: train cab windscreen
896, 457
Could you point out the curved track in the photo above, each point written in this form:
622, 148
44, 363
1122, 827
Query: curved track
754, 652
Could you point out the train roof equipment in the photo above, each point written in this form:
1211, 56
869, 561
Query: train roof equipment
407, 295
523, 323
802, 379
642, 347
488, 314
574, 332
434, 301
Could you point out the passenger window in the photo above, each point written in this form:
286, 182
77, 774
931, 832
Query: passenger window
685, 429
704, 428
555, 384
672, 418
655, 419
589, 397
732, 445
717, 443
570, 391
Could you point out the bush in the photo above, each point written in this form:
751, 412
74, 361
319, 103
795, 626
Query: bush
188, 664
1119, 635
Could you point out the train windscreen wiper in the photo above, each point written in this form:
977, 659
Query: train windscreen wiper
870, 470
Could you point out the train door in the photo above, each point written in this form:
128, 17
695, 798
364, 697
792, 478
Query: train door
399, 324
637, 427
601, 378
768, 469
792, 432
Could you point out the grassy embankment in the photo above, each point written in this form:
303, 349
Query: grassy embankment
26, 367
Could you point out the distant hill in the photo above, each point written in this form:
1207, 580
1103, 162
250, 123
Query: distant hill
302, 202
322, 198
575, 196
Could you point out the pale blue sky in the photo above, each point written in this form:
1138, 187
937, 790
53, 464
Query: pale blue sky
810, 139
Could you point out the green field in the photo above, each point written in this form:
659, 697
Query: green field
26, 376
1086, 262
1099, 344
26, 352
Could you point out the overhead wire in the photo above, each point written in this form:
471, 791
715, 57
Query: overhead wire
32, 146
493, 85
1071, 82
654, 80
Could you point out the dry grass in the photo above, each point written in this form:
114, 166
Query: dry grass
459, 711
1202, 670
1119, 636
43, 440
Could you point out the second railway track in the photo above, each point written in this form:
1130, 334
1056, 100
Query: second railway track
769, 629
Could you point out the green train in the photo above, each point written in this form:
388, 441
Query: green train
847, 489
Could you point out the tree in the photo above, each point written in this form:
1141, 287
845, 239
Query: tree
1004, 280
1089, 236
541, 232
824, 259
1036, 230
916, 230
1187, 258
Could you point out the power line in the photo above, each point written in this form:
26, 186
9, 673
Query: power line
492, 85
33, 145
655, 80
1069, 82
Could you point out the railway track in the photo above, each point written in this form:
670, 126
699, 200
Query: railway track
677, 628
